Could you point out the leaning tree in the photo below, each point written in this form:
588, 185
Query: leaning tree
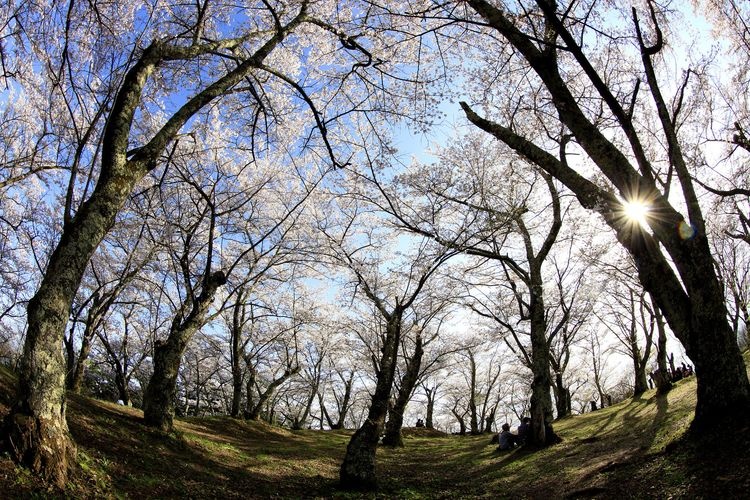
569, 98
131, 81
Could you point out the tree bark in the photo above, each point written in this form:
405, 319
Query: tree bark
36, 431
345, 402
79, 365
461, 422
408, 382
358, 468
688, 292
562, 397
663, 384
159, 398
428, 423
541, 433
254, 412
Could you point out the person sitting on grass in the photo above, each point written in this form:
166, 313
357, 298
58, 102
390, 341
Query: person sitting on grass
507, 440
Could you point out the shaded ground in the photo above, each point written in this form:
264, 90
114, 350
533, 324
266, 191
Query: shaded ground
631, 450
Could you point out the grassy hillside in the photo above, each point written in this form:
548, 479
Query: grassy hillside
630, 450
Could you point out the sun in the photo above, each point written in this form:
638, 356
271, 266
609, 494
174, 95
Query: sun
636, 211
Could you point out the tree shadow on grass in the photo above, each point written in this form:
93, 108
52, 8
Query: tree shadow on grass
203, 459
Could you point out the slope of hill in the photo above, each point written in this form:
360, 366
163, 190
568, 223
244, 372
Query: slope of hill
631, 450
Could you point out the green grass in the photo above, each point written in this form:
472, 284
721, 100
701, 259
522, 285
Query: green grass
631, 450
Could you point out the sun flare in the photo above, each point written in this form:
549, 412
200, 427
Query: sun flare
636, 211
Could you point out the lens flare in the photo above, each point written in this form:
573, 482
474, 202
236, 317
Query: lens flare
636, 211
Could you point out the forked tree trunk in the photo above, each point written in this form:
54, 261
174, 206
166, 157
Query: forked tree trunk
345, 402
75, 377
123, 392
161, 391
408, 382
640, 384
159, 398
299, 421
358, 468
460, 419
254, 412
490, 420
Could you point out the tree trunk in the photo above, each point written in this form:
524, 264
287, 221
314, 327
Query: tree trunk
408, 382
663, 384
79, 367
473, 417
300, 422
236, 396
345, 402
562, 397
358, 468
250, 385
489, 420
70, 358
541, 433
236, 354
36, 429
641, 380
36, 432
430, 407
159, 398
324, 413
254, 412
123, 392
461, 423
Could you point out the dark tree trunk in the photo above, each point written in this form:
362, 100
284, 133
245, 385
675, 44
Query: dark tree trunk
358, 468
123, 392
300, 421
250, 385
70, 358
663, 384
490, 420
79, 367
159, 398
430, 407
562, 397
541, 433
641, 380
236, 354
472, 406
257, 408
408, 382
345, 402
686, 287
461, 422
324, 413
236, 396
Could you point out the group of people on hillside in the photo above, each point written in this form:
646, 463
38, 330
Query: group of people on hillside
674, 375
507, 440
